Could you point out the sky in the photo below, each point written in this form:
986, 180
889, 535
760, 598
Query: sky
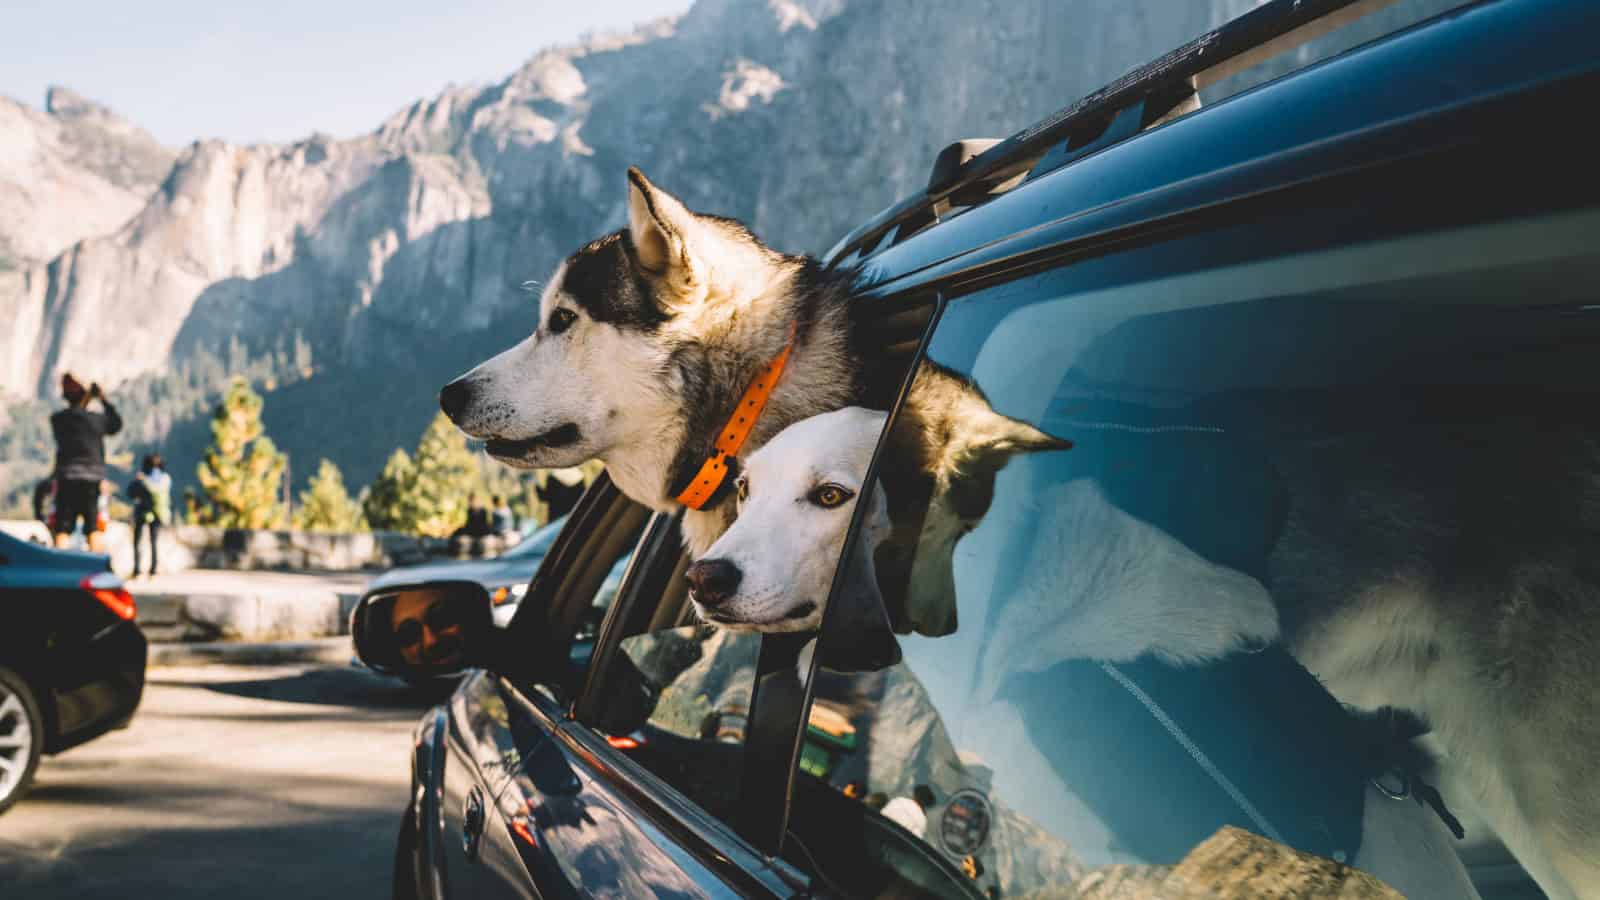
279, 70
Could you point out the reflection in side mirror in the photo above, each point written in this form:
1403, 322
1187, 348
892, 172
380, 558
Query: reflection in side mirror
429, 631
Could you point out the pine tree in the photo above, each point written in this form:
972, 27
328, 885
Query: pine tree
242, 470
325, 504
447, 471
387, 502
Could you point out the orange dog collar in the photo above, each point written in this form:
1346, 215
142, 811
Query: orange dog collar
714, 471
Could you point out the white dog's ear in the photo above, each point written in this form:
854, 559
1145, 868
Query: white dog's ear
857, 635
662, 230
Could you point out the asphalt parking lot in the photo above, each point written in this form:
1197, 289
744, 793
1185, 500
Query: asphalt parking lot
234, 782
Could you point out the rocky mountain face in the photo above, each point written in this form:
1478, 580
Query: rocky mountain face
75, 170
799, 117
406, 249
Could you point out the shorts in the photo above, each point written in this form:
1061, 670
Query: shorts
76, 498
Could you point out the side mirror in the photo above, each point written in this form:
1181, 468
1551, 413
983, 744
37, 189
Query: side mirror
427, 631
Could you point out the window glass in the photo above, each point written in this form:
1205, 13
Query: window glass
1319, 476
675, 695
537, 544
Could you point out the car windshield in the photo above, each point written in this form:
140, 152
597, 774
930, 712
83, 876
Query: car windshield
537, 544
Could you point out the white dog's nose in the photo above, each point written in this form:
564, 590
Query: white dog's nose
714, 581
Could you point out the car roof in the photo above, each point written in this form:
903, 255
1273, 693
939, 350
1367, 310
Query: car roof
1472, 53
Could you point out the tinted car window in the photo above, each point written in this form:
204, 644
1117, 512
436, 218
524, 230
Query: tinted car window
1107, 663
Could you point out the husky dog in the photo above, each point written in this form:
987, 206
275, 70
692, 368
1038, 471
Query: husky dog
647, 339
649, 336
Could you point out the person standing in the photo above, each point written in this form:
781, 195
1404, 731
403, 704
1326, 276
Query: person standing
469, 537
81, 459
151, 493
505, 521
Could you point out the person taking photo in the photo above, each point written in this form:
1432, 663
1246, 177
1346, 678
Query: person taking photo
81, 459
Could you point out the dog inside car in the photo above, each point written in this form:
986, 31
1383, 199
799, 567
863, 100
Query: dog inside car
1126, 595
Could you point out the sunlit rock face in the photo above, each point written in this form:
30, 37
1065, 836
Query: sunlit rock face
801, 117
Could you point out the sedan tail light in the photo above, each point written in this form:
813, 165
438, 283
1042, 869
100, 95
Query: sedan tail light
109, 591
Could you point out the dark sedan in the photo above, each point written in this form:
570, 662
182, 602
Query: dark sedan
72, 657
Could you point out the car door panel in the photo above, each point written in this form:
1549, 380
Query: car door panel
576, 833
479, 756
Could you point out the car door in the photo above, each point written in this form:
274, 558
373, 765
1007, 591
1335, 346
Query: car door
496, 722
528, 808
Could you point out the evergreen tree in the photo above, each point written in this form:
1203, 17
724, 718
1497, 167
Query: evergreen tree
447, 471
388, 499
242, 470
325, 505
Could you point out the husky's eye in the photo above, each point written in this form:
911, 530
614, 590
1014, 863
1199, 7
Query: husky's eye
561, 319
829, 496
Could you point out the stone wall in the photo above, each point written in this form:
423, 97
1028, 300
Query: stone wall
185, 547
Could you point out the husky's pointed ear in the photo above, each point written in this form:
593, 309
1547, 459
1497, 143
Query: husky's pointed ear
857, 635
662, 230
981, 443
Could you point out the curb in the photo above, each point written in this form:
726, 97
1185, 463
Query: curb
334, 651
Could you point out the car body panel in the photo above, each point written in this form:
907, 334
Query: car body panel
86, 664
1315, 121
551, 826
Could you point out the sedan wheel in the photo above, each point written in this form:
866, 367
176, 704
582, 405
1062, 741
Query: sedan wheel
21, 732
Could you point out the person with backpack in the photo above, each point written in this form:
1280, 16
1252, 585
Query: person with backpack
81, 460
151, 493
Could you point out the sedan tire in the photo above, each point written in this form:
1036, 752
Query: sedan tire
21, 737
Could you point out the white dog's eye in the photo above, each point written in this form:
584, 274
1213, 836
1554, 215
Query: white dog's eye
829, 496
561, 319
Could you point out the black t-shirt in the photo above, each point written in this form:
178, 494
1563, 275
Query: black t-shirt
80, 441
478, 524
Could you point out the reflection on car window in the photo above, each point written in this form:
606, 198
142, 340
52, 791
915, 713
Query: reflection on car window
1109, 650
538, 543
698, 683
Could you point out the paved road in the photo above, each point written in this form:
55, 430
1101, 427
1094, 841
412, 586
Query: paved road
240, 783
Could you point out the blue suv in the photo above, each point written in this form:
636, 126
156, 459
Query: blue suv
1392, 248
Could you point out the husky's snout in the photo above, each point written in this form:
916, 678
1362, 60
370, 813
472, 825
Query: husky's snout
455, 397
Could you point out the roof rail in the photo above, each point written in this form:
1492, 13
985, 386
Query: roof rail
968, 172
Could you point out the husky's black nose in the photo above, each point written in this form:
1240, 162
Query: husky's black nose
454, 396
714, 581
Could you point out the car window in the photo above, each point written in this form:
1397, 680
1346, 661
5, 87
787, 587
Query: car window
1303, 472
572, 591
538, 543
677, 694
